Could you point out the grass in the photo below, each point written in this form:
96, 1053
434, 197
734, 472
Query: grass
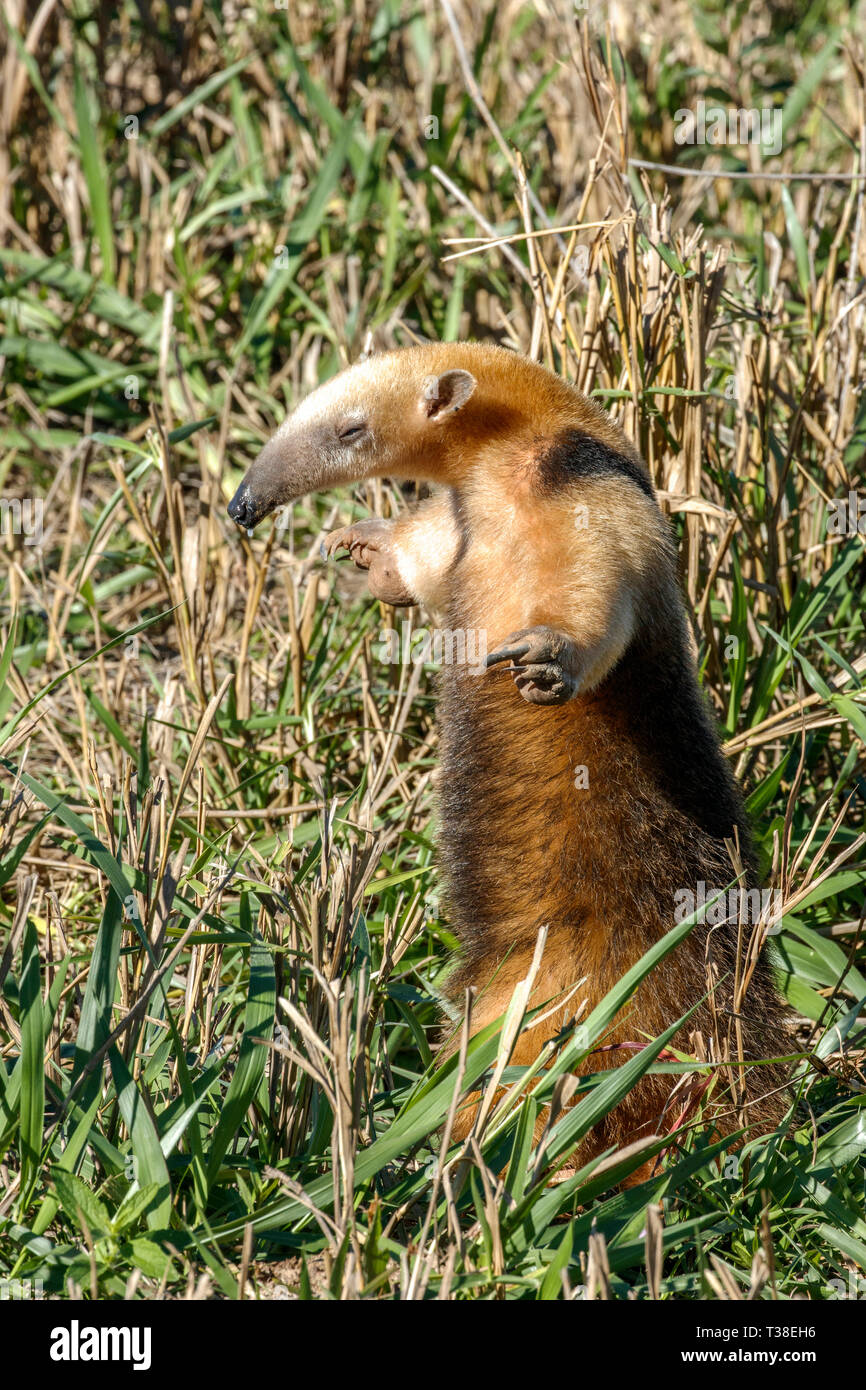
221, 940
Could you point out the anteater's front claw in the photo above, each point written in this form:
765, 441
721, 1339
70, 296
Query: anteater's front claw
371, 545
508, 654
335, 541
363, 539
545, 663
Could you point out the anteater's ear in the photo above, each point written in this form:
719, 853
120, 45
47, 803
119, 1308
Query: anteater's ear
446, 393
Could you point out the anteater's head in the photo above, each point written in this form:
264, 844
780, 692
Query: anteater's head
392, 415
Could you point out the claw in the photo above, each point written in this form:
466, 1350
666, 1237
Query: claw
540, 661
334, 542
508, 654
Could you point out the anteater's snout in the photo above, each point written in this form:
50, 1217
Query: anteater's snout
242, 508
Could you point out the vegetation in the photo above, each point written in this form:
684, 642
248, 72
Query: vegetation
220, 940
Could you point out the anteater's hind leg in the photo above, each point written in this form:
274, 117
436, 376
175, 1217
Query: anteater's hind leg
559, 997
652, 1107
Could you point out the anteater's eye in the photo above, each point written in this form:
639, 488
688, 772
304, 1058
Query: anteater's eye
353, 429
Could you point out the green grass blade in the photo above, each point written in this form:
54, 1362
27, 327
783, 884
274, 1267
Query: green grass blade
32, 1100
150, 1164
96, 176
252, 1058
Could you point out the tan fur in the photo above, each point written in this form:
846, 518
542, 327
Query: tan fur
425, 544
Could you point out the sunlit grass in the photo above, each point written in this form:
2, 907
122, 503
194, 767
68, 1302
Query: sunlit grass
221, 938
